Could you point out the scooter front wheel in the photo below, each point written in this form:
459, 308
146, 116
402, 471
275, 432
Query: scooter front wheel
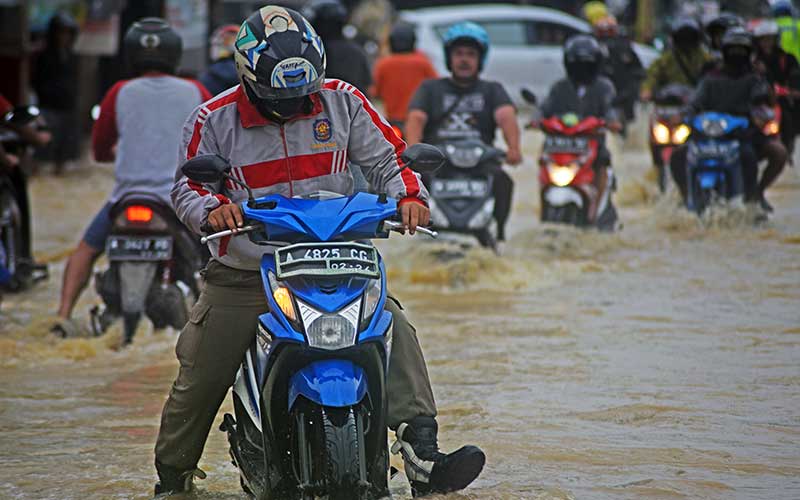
344, 454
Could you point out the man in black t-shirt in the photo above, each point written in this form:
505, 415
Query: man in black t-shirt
463, 106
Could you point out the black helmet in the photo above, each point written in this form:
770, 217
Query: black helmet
150, 44
582, 58
719, 25
402, 38
327, 16
685, 32
737, 45
280, 60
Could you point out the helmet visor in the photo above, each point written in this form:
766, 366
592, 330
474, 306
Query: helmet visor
269, 92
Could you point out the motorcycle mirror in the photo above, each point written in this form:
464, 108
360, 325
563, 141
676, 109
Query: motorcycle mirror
529, 96
206, 168
423, 158
21, 115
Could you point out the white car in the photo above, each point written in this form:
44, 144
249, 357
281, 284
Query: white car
526, 42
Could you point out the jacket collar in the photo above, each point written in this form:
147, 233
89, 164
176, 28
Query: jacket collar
250, 117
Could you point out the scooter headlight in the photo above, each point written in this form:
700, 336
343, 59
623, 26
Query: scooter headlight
562, 175
464, 157
681, 133
661, 133
371, 298
714, 128
283, 297
332, 331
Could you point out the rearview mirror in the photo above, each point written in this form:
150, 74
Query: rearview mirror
206, 168
423, 158
529, 96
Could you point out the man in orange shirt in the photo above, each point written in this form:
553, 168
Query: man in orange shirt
398, 75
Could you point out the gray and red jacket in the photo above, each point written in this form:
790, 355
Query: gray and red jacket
306, 154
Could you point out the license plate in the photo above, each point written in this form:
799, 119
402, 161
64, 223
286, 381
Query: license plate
566, 144
139, 248
714, 149
327, 259
459, 188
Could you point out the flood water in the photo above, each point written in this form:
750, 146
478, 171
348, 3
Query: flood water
660, 362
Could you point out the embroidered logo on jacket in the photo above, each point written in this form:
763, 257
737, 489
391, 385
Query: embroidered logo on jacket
323, 130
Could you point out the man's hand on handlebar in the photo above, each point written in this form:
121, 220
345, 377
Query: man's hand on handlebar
228, 216
513, 157
414, 214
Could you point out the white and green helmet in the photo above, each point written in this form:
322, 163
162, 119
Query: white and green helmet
279, 54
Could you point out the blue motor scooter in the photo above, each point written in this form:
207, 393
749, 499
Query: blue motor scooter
310, 397
713, 163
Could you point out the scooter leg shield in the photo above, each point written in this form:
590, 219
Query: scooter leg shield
336, 383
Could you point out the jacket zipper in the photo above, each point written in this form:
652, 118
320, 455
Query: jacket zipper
286, 160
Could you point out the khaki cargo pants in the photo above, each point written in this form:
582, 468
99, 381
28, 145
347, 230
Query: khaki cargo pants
211, 347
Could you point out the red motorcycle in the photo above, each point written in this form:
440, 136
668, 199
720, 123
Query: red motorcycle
567, 174
667, 130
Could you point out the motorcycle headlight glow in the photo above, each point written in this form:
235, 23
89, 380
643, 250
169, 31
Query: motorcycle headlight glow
714, 128
771, 128
562, 175
661, 133
464, 157
371, 298
331, 331
681, 133
283, 297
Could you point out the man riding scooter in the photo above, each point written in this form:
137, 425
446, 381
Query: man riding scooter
586, 94
463, 106
736, 90
286, 130
782, 72
138, 128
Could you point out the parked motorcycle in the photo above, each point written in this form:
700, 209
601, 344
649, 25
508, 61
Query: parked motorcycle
18, 271
310, 397
153, 269
462, 200
667, 129
713, 163
566, 174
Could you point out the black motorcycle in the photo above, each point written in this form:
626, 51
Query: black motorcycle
153, 267
18, 270
462, 199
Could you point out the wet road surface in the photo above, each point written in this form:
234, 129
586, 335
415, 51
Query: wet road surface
658, 362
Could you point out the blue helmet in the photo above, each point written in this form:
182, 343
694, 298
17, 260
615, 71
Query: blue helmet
467, 33
782, 8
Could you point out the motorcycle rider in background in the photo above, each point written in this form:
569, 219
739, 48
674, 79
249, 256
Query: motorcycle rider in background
287, 130
789, 26
463, 106
682, 64
138, 127
398, 75
221, 73
621, 65
346, 59
782, 72
17, 176
735, 90
585, 92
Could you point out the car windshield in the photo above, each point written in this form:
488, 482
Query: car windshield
503, 33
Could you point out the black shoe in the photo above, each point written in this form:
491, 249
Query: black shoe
173, 481
428, 469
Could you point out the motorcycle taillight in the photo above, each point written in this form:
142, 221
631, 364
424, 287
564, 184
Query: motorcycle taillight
139, 213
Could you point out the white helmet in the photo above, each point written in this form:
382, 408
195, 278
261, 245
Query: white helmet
767, 27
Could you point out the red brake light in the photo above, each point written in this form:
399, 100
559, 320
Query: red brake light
139, 213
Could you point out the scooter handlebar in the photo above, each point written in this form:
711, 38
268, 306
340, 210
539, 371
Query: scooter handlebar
227, 232
400, 228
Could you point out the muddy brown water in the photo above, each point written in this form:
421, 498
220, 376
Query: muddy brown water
662, 361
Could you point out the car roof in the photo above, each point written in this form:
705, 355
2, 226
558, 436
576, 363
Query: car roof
447, 15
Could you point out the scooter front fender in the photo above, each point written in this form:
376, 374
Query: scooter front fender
333, 382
